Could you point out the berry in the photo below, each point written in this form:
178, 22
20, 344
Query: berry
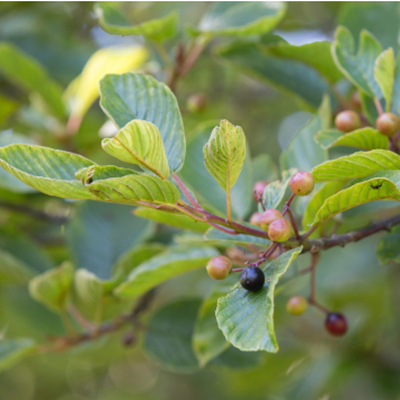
302, 183
252, 279
269, 216
219, 267
196, 103
336, 324
388, 124
356, 101
280, 230
255, 219
296, 305
347, 121
258, 189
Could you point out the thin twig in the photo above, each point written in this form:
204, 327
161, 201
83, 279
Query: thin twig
186, 192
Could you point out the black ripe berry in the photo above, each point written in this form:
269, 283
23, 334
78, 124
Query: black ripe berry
252, 279
336, 324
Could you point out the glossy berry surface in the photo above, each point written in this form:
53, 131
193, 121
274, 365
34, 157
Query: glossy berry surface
388, 124
196, 103
255, 219
347, 121
252, 279
219, 267
258, 189
296, 305
336, 324
302, 183
280, 230
269, 216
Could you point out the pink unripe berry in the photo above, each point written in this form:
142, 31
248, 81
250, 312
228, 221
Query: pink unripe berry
302, 183
347, 121
296, 305
269, 216
255, 219
388, 124
258, 189
219, 267
280, 230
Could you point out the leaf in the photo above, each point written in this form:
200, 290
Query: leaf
384, 75
13, 351
369, 108
316, 54
217, 237
364, 138
176, 220
246, 318
302, 152
84, 90
290, 76
49, 171
236, 359
13, 270
357, 165
396, 89
169, 333
241, 18
264, 169
388, 249
139, 142
208, 340
358, 68
94, 173
114, 22
224, 154
137, 96
166, 265
274, 192
52, 288
99, 234
28, 74
384, 185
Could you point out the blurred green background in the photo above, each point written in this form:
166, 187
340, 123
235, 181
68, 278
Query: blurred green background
310, 365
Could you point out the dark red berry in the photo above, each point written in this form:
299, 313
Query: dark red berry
252, 279
347, 121
219, 267
336, 324
302, 183
258, 189
269, 216
296, 305
280, 230
388, 124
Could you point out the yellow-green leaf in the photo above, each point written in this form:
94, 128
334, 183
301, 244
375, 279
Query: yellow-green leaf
384, 74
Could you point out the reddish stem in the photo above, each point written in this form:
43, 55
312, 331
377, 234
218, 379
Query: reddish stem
186, 192
294, 226
378, 106
226, 230
287, 204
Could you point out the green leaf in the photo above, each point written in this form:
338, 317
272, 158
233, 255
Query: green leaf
113, 21
274, 192
28, 74
13, 351
241, 18
217, 237
139, 142
176, 220
264, 168
13, 270
358, 68
395, 106
224, 154
317, 55
94, 173
364, 138
137, 96
369, 108
52, 288
158, 269
290, 76
302, 152
169, 333
246, 318
388, 249
100, 233
384, 185
208, 340
84, 89
357, 165
384, 75
49, 171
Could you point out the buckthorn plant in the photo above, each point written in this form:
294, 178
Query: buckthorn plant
172, 174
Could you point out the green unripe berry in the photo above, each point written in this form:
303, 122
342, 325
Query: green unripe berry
302, 183
388, 124
269, 216
255, 219
258, 189
280, 230
219, 267
296, 305
347, 121
196, 103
